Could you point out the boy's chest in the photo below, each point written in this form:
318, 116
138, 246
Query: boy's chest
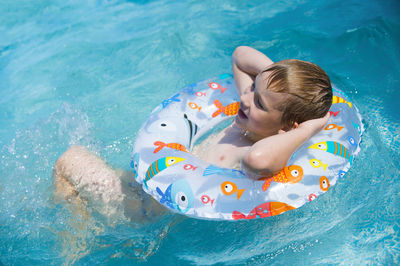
225, 149
226, 155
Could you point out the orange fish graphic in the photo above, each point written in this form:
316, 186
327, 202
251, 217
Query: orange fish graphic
324, 183
333, 126
229, 188
175, 146
230, 109
290, 174
264, 210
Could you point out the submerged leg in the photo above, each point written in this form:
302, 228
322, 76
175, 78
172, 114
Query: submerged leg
88, 175
80, 175
148, 210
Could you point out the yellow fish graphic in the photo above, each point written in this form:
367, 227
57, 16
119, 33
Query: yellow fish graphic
317, 164
160, 165
336, 99
334, 148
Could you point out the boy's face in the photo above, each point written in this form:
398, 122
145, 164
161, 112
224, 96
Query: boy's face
258, 111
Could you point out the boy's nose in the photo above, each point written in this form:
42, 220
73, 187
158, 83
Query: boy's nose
245, 100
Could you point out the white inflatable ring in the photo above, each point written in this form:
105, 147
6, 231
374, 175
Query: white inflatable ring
162, 162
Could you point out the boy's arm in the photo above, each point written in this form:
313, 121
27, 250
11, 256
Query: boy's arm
271, 154
246, 64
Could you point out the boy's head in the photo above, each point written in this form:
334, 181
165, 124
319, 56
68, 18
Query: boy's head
308, 88
287, 93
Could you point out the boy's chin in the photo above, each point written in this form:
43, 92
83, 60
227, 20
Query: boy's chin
239, 123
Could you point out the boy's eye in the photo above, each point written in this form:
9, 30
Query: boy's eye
258, 103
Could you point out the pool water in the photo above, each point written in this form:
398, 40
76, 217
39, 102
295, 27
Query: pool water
90, 72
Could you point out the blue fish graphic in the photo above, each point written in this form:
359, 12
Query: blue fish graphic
174, 98
135, 163
178, 196
352, 142
341, 174
212, 169
357, 127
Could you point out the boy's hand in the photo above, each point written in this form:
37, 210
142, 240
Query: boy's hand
247, 62
314, 126
271, 154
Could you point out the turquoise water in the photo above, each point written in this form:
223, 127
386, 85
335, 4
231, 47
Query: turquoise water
89, 73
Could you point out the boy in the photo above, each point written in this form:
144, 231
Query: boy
281, 106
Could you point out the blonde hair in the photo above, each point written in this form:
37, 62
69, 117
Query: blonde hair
307, 85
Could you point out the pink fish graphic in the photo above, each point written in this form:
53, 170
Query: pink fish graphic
216, 86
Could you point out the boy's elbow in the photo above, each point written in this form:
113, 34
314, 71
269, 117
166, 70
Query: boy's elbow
258, 163
240, 51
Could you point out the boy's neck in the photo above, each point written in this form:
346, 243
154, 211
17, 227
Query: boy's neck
251, 136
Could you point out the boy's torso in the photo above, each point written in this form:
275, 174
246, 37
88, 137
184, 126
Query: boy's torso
225, 149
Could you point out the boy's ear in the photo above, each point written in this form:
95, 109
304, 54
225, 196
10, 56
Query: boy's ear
286, 128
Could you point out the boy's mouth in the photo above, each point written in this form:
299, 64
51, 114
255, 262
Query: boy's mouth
241, 114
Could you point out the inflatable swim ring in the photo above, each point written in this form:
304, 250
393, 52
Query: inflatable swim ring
162, 162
